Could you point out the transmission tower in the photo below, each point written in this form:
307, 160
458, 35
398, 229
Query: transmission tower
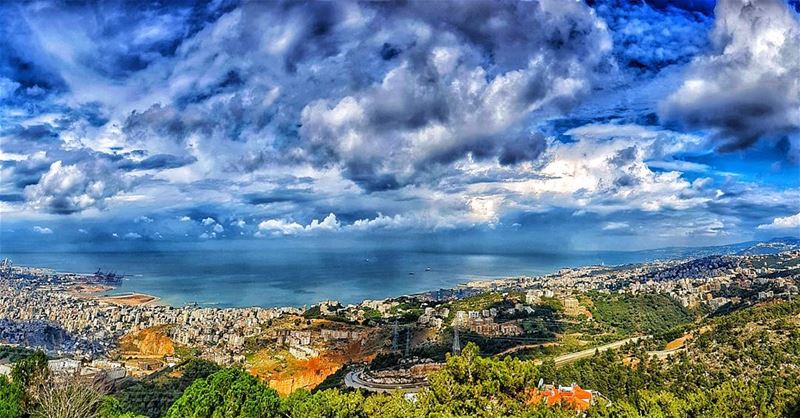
394, 336
456, 343
408, 342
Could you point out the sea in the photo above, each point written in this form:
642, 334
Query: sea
302, 275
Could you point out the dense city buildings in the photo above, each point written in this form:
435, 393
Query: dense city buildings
73, 320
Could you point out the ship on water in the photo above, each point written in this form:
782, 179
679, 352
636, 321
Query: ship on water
108, 278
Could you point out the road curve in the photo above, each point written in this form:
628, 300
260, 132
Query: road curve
354, 380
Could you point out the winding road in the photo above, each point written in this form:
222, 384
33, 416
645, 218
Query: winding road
355, 380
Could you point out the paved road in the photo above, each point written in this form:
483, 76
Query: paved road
662, 354
524, 346
568, 358
354, 380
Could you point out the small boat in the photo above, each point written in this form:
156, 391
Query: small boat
427, 269
410, 273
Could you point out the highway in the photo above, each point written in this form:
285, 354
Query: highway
354, 379
568, 358
525, 346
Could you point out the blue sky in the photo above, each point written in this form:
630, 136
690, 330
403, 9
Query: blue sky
599, 125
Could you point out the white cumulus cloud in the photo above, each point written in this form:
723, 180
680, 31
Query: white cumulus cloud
786, 222
747, 88
66, 189
283, 227
612, 226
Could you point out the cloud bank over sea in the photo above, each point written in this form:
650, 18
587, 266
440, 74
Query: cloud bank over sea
598, 124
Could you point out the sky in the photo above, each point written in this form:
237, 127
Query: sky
544, 124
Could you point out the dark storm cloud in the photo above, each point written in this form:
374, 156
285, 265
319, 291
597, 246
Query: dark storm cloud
415, 114
279, 196
92, 113
26, 172
157, 162
465, 89
12, 197
747, 88
128, 36
427, 97
519, 149
21, 58
158, 120
33, 133
315, 38
624, 157
365, 175
626, 180
751, 205
649, 36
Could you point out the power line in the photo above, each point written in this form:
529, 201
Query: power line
408, 342
394, 336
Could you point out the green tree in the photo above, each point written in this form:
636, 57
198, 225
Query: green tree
31, 370
30, 374
471, 385
228, 393
154, 397
110, 407
11, 398
329, 403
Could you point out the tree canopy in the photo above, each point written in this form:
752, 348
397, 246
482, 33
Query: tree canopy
228, 393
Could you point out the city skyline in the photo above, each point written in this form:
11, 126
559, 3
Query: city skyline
605, 125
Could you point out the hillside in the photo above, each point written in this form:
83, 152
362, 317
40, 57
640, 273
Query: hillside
745, 364
147, 342
741, 363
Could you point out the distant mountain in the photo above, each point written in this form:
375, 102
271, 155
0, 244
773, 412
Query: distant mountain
772, 246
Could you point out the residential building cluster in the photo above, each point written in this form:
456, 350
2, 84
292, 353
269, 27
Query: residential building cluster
38, 309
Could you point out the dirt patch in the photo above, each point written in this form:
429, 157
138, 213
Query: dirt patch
89, 288
147, 342
285, 374
135, 299
682, 340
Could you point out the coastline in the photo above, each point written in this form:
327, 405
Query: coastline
100, 292
297, 280
503, 308
131, 299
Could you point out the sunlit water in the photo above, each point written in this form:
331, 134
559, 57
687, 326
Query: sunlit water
302, 276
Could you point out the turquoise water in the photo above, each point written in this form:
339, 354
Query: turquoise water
302, 275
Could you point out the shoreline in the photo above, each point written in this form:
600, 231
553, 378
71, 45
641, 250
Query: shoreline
285, 287
100, 292
459, 282
131, 299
